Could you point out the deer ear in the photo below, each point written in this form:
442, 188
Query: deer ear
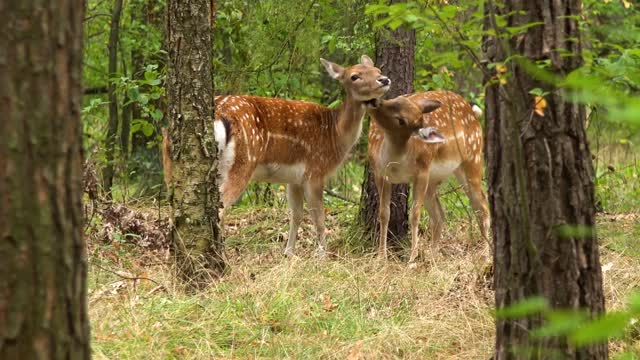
334, 70
427, 106
365, 60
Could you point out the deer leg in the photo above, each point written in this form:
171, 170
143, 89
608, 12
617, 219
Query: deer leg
235, 182
384, 192
316, 208
419, 191
434, 208
295, 197
470, 176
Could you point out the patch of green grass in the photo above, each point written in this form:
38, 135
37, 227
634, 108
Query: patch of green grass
621, 234
306, 309
618, 189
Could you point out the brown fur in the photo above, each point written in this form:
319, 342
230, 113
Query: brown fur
270, 135
392, 141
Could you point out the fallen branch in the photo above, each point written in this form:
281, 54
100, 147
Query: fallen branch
338, 196
126, 277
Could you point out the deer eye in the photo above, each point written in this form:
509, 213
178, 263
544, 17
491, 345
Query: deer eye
355, 77
402, 122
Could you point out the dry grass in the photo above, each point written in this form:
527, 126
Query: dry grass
350, 306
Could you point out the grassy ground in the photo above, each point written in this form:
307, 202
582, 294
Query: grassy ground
350, 306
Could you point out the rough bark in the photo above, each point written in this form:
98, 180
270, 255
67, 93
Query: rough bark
197, 240
395, 57
43, 266
112, 129
540, 181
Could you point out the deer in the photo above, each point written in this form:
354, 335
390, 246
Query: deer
297, 143
423, 139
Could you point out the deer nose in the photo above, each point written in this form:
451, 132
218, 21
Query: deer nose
384, 81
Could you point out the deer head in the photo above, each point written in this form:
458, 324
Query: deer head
363, 82
402, 118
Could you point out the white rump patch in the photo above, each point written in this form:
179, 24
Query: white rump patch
226, 161
226, 152
477, 111
220, 134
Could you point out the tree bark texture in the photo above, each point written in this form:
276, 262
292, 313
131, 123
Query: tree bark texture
112, 129
43, 266
197, 240
395, 52
540, 180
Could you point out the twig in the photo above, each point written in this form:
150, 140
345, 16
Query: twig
338, 196
127, 277
451, 191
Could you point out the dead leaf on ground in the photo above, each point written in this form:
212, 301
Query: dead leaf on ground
354, 353
327, 304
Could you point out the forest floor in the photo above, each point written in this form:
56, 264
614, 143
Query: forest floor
350, 306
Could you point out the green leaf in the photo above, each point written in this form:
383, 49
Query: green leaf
524, 308
572, 231
410, 18
133, 93
147, 129
518, 29
538, 92
634, 303
157, 115
143, 99
608, 326
560, 322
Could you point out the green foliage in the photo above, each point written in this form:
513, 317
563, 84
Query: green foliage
576, 325
272, 48
528, 307
448, 37
142, 92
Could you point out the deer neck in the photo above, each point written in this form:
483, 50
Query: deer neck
396, 143
349, 124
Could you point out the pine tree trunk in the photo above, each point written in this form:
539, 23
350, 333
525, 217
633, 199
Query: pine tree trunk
395, 57
112, 129
43, 263
197, 240
540, 181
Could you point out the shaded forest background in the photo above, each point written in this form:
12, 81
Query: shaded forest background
271, 48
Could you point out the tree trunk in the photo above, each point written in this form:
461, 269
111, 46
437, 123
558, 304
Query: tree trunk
43, 266
395, 57
540, 181
112, 129
197, 240
127, 110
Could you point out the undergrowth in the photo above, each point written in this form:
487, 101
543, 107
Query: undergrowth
349, 306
